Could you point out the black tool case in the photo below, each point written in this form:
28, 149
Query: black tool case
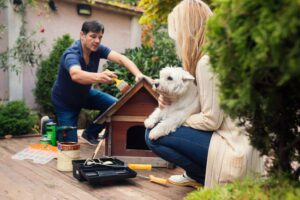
99, 173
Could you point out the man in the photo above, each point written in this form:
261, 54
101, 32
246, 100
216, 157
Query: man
78, 70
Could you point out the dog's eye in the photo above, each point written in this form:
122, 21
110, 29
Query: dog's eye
170, 78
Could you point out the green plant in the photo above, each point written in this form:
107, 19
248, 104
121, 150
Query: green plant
2, 3
27, 49
2, 6
126, 2
158, 10
47, 72
86, 117
16, 119
271, 188
254, 48
149, 59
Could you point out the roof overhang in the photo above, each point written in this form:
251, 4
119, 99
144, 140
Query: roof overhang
109, 7
143, 83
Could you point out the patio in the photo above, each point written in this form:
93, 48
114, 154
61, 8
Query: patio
27, 180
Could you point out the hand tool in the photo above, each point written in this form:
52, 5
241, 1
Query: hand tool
111, 164
155, 179
98, 146
97, 149
131, 166
122, 85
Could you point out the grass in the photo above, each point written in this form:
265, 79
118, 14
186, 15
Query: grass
262, 189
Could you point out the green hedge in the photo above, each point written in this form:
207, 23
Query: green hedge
149, 59
47, 72
254, 47
16, 119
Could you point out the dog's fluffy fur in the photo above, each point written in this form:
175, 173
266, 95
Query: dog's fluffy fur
179, 84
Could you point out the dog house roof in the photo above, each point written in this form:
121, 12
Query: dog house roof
143, 83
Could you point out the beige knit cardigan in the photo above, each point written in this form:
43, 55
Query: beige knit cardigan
230, 156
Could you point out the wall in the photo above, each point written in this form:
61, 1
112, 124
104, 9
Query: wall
3, 47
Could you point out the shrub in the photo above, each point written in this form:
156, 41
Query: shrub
271, 188
157, 10
16, 119
86, 117
254, 48
149, 59
47, 72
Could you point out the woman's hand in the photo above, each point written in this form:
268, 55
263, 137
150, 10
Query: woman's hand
164, 100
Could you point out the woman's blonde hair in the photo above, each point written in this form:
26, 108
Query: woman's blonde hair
186, 25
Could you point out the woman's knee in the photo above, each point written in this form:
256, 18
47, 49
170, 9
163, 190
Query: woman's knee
149, 142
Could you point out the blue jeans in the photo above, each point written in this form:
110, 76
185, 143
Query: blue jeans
96, 100
186, 148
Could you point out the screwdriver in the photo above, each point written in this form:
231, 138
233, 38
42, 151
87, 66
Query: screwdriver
139, 166
151, 178
155, 179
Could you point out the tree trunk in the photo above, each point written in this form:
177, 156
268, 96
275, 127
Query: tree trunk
284, 158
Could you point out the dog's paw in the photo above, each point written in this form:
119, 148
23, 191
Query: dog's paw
153, 135
173, 129
156, 133
149, 123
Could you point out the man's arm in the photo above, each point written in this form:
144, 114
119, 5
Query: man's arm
84, 77
124, 61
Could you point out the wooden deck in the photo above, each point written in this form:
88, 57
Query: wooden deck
27, 180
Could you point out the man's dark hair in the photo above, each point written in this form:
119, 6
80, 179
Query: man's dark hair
92, 26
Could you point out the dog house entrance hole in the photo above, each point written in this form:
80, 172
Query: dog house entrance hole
136, 138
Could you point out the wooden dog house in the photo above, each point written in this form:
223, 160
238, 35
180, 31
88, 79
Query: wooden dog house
125, 125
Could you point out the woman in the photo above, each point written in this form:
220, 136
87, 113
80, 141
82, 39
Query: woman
210, 147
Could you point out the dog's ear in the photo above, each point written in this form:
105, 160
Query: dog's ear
188, 77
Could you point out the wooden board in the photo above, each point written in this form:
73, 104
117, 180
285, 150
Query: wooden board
26, 180
140, 104
140, 100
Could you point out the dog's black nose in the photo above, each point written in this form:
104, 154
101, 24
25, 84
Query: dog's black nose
156, 84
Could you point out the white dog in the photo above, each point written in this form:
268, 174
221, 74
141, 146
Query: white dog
178, 83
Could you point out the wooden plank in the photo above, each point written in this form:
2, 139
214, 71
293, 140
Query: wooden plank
21, 136
154, 161
126, 118
36, 181
144, 85
142, 103
119, 140
27, 180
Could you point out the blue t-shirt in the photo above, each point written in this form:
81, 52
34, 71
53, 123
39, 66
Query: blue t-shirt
65, 92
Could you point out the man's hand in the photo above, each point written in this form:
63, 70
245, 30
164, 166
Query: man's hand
84, 77
107, 77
